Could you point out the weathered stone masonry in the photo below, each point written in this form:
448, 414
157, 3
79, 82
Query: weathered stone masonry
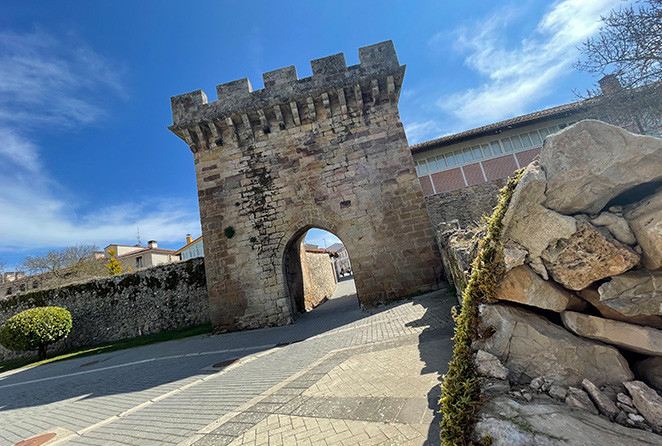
327, 151
152, 300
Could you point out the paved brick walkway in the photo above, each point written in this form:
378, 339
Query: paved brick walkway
337, 376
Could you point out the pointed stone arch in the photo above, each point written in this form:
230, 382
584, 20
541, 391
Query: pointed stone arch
292, 268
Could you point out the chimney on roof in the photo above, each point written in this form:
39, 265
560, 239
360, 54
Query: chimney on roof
152, 244
189, 239
610, 84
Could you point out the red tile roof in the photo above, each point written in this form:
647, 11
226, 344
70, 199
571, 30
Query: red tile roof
154, 250
498, 127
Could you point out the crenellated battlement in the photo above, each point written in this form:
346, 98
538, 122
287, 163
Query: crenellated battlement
334, 89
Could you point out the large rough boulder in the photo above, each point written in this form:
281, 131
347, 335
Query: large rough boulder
646, 220
637, 295
617, 226
636, 338
587, 255
524, 286
647, 401
609, 309
458, 249
526, 207
589, 163
602, 402
489, 365
545, 422
531, 346
650, 370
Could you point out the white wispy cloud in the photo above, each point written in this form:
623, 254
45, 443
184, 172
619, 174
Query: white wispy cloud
517, 76
16, 151
47, 81
50, 222
51, 85
421, 131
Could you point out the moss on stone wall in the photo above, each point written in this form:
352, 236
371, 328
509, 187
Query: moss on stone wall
165, 297
460, 388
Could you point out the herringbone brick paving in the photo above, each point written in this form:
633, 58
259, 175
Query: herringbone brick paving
168, 394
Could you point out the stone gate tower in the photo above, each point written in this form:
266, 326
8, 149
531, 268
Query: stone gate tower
327, 151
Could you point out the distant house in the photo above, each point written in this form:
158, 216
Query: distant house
342, 261
336, 247
192, 249
341, 258
12, 282
137, 257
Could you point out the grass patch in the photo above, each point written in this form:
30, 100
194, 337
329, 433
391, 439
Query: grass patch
461, 389
108, 347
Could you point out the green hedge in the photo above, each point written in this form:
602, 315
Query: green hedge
35, 328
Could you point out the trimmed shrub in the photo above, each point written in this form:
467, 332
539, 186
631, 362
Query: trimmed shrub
35, 328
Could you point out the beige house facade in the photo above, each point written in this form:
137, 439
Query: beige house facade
138, 257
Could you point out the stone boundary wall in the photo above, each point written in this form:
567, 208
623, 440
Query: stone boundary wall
153, 300
466, 205
319, 278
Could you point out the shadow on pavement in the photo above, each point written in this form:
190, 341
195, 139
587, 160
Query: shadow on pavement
436, 351
164, 364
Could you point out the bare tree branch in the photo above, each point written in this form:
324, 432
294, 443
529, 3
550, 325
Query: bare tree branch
629, 47
60, 262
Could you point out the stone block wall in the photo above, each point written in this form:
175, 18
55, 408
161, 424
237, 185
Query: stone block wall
153, 300
328, 151
466, 205
319, 277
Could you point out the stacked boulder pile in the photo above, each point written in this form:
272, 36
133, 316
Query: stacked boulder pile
578, 312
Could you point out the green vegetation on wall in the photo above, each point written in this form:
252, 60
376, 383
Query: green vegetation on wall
461, 388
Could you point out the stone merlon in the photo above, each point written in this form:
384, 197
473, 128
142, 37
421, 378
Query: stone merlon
378, 62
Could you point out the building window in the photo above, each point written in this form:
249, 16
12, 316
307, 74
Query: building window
477, 153
535, 137
517, 144
139, 262
526, 140
496, 147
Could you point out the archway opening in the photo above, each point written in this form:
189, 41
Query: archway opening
317, 268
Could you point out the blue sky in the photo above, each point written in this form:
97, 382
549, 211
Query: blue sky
85, 87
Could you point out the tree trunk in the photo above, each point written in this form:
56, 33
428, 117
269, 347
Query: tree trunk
42, 352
